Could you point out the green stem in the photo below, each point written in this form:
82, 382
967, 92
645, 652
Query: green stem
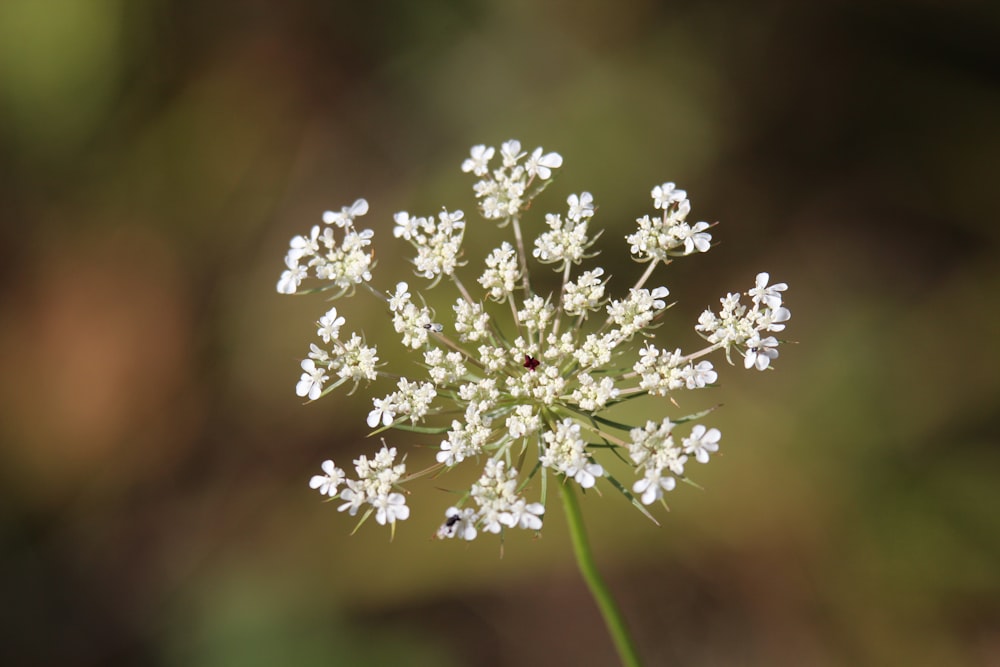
522, 256
613, 618
647, 274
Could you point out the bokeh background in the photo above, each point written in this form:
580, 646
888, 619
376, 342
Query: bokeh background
155, 158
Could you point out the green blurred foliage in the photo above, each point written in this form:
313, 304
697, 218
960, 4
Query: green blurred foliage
156, 157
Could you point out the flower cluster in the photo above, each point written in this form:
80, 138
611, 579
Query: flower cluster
373, 487
518, 380
342, 265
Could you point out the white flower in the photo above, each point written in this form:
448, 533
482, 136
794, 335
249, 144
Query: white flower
651, 487
591, 395
773, 320
355, 496
522, 514
696, 238
596, 350
647, 441
318, 354
407, 227
502, 272
536, 314
374, 486
492, 358
662, 236
478, 164
511, 153
384, 411
357, 360
566, 240
464, 439
697, 376
702, 442
444, 369
408, 319
414, 399
311, 383
291, 279
345, 264
769, 295
653, 450
542, 384
499, 504
483, 393
585, 294
390, 508
399, 299
301, 247
542, 164
638, 311
760, 352
580, 206
437, 243
523, 421
666, 195
327, 484
329, 325
345, 217
565, 452
471, 321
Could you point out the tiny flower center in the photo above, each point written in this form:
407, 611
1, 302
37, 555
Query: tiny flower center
530, 362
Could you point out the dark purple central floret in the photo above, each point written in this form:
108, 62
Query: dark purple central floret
530, 362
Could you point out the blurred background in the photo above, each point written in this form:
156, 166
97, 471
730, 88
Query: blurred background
157, 156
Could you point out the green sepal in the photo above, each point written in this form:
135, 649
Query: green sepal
696, 415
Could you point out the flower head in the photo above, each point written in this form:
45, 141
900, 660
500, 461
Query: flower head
343, 264
524, 367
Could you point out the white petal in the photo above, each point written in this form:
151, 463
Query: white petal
551, 160
651, 494
360, 207
535, 508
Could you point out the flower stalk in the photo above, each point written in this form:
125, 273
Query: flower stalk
610, 612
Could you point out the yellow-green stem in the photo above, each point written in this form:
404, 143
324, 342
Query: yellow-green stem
613, 618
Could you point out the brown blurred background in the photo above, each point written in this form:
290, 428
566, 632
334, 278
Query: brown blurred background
157, 156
